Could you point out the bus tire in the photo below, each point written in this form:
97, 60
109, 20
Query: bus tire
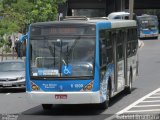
47, 106
128, 89
155, 37
1, 90
105, 104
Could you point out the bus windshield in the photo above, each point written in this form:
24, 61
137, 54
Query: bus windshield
148, 22
59, 56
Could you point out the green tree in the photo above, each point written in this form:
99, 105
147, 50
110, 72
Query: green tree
18, 14
8, 23
24, 12
45, 12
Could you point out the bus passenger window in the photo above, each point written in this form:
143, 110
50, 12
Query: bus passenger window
120, 44
103, 57
109, 47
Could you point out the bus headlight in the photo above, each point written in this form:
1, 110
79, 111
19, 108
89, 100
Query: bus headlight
34, 87
88, 86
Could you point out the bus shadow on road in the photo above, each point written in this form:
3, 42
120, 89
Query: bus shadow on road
65, 112
152, 38
118, 97
73, 110
12, 90
83, 109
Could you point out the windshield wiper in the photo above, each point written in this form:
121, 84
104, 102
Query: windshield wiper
52, 51
69, 51
73, 46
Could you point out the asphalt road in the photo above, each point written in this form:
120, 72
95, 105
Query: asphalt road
14, 105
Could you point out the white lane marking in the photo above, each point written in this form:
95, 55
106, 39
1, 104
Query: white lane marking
150, 101
125, 110
154, 97
8, 93
157, 94
140, 43
138, 111
147, 105
137, 102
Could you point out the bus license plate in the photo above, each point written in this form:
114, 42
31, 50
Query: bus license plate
62, 96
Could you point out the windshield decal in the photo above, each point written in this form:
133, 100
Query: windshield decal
46, 72
66, 70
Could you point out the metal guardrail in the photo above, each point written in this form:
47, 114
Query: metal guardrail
7, 56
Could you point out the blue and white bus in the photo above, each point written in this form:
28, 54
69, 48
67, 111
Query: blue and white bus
82, 61
148, 26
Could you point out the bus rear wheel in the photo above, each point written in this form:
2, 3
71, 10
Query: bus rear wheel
128, 90
47, 106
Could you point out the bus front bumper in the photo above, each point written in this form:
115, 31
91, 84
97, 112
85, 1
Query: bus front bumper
64, 97
148, 35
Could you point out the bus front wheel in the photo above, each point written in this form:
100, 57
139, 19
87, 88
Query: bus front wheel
47, 106
105, 104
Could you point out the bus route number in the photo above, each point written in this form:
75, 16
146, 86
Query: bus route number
78, 85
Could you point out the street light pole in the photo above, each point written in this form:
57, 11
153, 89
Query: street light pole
131, 7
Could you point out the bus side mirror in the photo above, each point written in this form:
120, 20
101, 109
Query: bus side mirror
23, 38
22, 46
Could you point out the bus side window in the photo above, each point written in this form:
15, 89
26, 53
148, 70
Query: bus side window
119, 45
102, 48
135, 40
129, 44
109, 47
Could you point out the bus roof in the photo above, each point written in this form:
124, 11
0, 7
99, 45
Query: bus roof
114, 22
146, 15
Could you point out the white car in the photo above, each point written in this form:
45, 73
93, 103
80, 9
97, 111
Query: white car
12, 74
